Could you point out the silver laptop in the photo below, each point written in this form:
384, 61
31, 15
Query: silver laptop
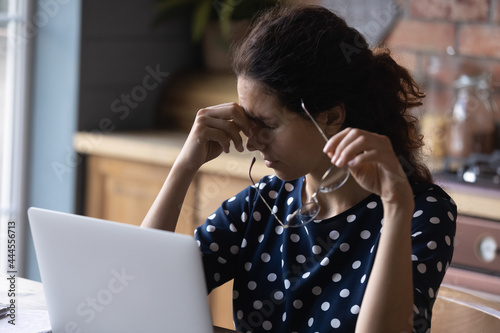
102, 276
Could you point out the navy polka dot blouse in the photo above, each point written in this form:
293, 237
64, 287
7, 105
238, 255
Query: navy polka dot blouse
313, 278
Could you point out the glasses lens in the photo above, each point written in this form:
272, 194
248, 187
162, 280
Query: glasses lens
303, 215
333, 179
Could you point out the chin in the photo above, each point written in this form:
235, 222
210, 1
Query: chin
286, 176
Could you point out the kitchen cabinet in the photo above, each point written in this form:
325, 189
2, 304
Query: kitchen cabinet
476, 259
123, 190
125, 171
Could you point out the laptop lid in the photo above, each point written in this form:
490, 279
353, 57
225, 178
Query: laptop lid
102, 276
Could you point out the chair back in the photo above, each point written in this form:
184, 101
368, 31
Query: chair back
460, 312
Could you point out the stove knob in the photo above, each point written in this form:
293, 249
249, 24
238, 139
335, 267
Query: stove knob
488, 248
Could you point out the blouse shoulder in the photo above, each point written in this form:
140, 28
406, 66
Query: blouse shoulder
429, 193
432, 206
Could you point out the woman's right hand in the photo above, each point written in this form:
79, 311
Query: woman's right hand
212, 132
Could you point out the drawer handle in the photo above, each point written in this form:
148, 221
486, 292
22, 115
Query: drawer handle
488, 248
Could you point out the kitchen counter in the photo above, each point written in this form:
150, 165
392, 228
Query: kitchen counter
471, 199
162, 148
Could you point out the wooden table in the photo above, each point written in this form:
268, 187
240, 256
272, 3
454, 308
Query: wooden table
31, 313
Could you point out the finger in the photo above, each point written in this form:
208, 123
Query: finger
230, 112
332, 143
357, 141
364, 157
353, 145
207, 135
229, 131
233, 119
369, 147
392, 170
241, 119
339, 152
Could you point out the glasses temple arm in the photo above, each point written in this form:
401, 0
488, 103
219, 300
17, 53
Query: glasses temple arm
260, 195
313, 120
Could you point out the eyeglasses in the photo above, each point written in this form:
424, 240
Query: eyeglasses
330, 182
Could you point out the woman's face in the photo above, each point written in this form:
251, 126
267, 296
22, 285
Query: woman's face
289, 143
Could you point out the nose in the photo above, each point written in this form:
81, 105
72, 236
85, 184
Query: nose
251, 140
253, 143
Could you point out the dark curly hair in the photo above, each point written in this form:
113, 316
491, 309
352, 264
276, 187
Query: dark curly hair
311, 53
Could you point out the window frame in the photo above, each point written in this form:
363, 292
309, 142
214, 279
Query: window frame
15, 131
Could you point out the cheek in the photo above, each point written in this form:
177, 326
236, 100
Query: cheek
266, 136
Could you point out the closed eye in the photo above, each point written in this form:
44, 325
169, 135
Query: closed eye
264, 123
269, 127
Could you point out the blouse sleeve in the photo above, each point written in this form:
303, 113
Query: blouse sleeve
433, 231
221, 237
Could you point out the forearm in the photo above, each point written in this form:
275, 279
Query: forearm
388, 301
212, 133
167, 206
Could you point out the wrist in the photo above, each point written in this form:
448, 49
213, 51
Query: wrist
400, 194
183, 170
186, 162
401, 205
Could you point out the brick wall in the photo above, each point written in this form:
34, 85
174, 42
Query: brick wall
447, 37
438, 40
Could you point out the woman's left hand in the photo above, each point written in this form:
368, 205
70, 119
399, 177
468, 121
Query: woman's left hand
371, 161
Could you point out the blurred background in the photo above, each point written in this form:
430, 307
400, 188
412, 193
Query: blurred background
96, 98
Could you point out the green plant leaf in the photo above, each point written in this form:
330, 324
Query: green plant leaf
201, 17
205, 10
226, 12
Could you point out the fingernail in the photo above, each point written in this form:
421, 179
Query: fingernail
334, 159
339, 162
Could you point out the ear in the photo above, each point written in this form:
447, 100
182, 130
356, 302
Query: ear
332, 120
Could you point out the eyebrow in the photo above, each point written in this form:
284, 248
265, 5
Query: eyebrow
258, 118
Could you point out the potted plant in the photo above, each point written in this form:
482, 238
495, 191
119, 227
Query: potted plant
214, 23
205, 11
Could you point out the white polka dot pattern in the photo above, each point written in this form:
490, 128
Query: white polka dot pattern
312, 279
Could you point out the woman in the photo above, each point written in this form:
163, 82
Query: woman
342, 272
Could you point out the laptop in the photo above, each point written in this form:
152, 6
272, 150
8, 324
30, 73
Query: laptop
103, 276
